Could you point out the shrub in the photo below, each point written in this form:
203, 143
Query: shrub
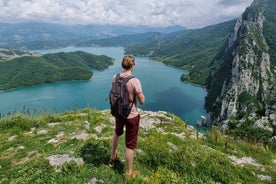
95, 152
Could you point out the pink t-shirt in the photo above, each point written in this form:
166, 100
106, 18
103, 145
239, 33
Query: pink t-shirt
134, 88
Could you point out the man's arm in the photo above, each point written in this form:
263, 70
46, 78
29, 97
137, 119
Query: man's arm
141, 98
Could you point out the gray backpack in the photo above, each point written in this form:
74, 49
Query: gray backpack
119, 98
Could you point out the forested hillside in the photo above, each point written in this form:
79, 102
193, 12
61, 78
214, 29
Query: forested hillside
193, 50
28, 71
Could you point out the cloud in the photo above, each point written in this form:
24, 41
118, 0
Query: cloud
188, 13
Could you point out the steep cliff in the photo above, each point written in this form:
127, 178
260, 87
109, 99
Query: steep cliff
242, 82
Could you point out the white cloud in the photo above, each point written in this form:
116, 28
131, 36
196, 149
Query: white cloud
188, 13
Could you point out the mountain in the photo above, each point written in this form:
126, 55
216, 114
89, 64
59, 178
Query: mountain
124, 40
74, 147
193, 50
242, 84
34, 36
48, 68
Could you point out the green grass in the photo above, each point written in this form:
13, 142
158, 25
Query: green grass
171, 152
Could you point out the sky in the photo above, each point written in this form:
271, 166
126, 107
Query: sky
187, 13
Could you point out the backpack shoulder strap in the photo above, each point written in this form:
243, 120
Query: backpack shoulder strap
126, 79
117, 77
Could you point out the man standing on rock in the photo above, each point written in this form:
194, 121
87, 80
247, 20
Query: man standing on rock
131, 123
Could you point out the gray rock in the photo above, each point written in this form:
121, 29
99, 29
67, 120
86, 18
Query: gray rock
58, 160
263, 177
272, 118
263, 123
42, 132
12, 138
95, 181
99, 129
81, 136
273, 139
52, 124
86, 125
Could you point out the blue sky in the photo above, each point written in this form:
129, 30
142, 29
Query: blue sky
188, 13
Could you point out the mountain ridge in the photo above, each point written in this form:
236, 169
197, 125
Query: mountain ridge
35, 36
244, 83
192, 50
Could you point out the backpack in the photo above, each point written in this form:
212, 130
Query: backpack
119, 97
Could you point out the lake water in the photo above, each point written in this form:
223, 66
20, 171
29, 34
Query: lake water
161, 85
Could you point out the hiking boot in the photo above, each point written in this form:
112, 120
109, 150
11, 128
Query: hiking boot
112, 161
132, 174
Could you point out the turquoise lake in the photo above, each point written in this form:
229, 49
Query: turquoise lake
161, 85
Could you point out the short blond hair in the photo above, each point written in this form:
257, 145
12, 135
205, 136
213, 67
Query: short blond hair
128, 62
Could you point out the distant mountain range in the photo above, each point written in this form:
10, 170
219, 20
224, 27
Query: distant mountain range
32, 36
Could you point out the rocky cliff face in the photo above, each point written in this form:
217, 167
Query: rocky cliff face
248, 83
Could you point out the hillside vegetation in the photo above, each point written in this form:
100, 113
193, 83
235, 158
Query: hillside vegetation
29, 70
193, 50
74, 147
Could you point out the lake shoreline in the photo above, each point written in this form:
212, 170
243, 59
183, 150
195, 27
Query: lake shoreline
161, 85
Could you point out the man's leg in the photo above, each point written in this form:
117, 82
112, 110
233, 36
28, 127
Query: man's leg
119, 129
129, 160
115, 141
132, 128
113, 156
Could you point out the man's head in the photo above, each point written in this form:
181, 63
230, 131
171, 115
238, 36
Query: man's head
128, 62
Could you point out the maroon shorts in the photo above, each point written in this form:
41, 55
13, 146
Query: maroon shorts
132, 128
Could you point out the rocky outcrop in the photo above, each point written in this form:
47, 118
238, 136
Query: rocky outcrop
249, 82
250, 70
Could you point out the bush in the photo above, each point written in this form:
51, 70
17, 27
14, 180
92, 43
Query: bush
96, 152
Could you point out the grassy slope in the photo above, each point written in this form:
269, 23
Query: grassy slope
169, 153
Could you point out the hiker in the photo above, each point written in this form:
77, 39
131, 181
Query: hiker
131, 122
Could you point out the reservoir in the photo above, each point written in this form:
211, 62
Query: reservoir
161, 85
